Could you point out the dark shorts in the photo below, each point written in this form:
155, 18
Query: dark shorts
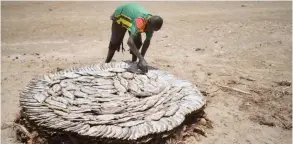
117, 36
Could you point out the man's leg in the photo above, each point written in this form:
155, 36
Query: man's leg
117, 36
138, 44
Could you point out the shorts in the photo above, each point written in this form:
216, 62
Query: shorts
117, 36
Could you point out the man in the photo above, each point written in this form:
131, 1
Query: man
136, 20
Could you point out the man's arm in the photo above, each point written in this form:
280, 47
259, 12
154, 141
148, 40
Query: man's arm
145, 47
146, 42
133, 47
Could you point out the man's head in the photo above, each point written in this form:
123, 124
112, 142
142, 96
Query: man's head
155, 23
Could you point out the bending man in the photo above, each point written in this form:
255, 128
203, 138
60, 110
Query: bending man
136, 20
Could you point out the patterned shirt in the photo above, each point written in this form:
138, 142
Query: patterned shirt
134, 18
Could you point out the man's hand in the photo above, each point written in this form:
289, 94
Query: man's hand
143, 66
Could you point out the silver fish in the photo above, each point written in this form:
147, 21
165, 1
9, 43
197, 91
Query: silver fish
119, 87
50, 101
133, 86
80, 101
69, 75
60, 99
106, 117
156, 116
106, 87
65, 83
72, 87
171, 110
124, 83
131, 123
127, 75
103, 73
67, 94
80, 94
60, 113
143, 94
73, 116
116, 70
87, 91
40, 97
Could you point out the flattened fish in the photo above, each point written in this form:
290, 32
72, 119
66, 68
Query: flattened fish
50, 101
80, 94
68, 94
127, 75
116, 70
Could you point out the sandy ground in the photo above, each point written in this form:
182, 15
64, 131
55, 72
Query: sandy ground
243, 45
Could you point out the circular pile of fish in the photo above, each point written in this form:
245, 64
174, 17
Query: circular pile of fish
108, 101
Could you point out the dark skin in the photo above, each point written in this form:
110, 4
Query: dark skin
142, 64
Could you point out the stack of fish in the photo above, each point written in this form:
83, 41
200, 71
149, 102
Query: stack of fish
108, 101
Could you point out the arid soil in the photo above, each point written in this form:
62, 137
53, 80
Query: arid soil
239, 54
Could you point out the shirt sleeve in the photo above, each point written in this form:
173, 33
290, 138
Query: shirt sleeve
133, 30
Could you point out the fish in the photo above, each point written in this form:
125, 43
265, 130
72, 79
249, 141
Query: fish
50, 101
67, 94
116, 70
80, 94
127, 75
119, 87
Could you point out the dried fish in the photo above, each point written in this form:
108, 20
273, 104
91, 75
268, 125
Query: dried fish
60, 99
133, 86
167, 122
68, 94
104, 87
92, 130
118, 131
116, 70
107, 91
124, 83
100, 131
80, 94
106, 117
103, 74
52, 102
107, 101
67, 125
118, 86
156, 116
76, 127
61, 113
87, 91
55, 82
65, 83
125, 131
152, 76
97, 122
109, 131
80, 101
143, 94
84, 128
127, 75
84, 79
171, 110
40, 97
131, 123
73, 116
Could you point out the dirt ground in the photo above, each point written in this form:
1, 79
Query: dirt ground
218, 46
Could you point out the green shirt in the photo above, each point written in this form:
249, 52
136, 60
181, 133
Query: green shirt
134, 18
